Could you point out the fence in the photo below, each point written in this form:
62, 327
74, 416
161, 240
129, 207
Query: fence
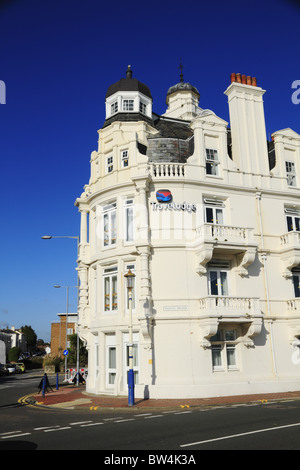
71, 373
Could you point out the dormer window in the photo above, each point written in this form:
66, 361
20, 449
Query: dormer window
212, 162
290, 173
143, 107
114, 107
128, 105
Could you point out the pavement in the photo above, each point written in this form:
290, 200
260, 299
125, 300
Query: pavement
69, 396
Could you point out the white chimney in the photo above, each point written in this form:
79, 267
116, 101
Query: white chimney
247, 123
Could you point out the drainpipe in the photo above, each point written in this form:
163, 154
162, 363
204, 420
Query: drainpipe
264, 260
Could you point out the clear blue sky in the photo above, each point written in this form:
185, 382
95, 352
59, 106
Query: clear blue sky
58, 58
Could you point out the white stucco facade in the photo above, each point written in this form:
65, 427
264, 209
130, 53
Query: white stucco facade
216, 298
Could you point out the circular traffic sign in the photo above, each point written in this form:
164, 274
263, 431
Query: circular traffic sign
66, 352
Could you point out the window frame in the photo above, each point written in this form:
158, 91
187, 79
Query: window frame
114, 107
143, 107
296, 283
136, 358
124, 158
109, 214
109, 168
292, 216
132, 267
110, 279
220, 282
224, 346
211, 162
129, 225
290, 169
128, 104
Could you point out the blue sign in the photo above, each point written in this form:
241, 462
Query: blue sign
163, 195
66, 352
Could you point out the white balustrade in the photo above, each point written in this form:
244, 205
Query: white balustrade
227, 305
159, 170
224, 233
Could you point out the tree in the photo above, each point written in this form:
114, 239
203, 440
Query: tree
13, 354
83, 354
31, 337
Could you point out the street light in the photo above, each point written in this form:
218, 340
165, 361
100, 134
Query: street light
130, 281
49, 237
67, 310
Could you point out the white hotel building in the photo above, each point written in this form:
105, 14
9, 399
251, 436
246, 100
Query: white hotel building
207, 216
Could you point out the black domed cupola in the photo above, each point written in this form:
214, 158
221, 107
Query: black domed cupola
127, 98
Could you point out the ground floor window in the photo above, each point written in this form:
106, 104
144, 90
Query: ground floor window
111, 360
136, 359
223, 349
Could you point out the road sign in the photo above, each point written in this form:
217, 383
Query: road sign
66, 352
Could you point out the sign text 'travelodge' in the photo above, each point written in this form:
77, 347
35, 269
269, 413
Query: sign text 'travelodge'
173, 206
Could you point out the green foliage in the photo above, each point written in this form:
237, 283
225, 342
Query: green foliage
53, 361
13, 354
31, 337
83, 354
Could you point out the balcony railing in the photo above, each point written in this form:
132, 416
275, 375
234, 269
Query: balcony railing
225, 233
162, 170
226, 305
290, 239
293, 305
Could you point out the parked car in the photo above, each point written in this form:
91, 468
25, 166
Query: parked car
11, 368
20, 367
3, 370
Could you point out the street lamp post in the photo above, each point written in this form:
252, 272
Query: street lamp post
67, 311
130, 280
49, 237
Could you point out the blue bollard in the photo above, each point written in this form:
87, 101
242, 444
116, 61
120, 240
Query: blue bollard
56, 380
44, 386
130, 387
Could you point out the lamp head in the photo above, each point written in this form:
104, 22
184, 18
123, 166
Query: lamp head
130, 279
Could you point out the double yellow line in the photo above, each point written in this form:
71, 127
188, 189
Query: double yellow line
24, 401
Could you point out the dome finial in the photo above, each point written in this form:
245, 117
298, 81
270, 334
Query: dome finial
129, 72
181, 74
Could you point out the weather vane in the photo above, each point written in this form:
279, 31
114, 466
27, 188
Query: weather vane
181, 74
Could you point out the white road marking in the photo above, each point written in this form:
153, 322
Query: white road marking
57, 429
80, 422
154, 416
16, 435
124, 420
91, 424
240, 435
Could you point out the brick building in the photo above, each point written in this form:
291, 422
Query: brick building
58, 333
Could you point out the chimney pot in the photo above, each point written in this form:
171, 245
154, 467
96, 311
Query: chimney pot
238, 78
244, 80
249, 80
254, 81
233, 77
